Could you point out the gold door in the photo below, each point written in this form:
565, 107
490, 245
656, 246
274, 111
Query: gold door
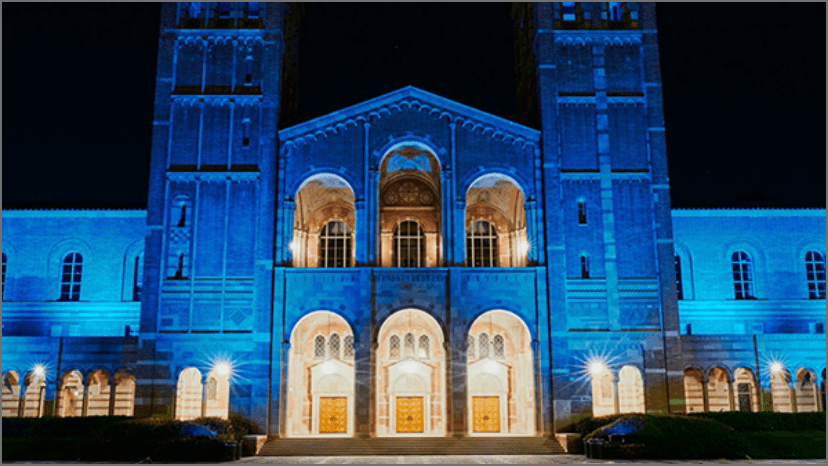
409, 414
486, 413
333, 414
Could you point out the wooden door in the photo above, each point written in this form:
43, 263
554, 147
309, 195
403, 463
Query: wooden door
410, 414
486, 413
333, 414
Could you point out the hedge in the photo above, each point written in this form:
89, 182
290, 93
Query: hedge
755, 422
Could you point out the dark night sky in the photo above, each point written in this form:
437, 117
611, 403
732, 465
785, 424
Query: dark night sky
744, 91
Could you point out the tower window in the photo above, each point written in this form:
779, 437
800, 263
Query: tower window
348, 347
246, 132
409, 344
614, 11
582, 218
182, 218
584, 266
319, 347
248, 70
815, 272
499, 346
423, 351
742, 275
70, 281
481, 244
568, 11
252, 9
483, 346
679, 293
409, 245
394, 347
335, 245
333, 346
179, 270
138, 277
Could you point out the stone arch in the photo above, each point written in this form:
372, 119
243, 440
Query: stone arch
70, 400
34, 392
686, 263
694, 390
604, 397
123, 403
499, 200
133, 271
98, 392
217, 394
718, 389
413, 385
188, 394
501, 384
807, 398
11, 394
320, 199
746, 396
630, 390
780, 387
757, 259
320, 394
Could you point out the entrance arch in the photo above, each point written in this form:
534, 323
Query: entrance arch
71, 395
188, 392
320, 391
500, 376
11, 394
411, 376
630, 390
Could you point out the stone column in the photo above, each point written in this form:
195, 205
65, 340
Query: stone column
705, 396
730, 397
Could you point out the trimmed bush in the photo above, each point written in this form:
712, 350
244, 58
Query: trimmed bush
755, 422
669, 436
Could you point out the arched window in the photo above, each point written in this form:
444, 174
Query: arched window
679, 292
481, 244
470, 348
483, 347
582, 217
348, 347
333, 346
319, 347
70, 279
138, 277
424, 350
409, 344
814, 269
3, 289
742, 275
394, 347
409, 245
335, 245
584, 266
498, 346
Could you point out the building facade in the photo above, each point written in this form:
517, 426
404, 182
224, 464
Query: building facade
410, 265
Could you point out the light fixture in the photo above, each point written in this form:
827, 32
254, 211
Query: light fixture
490, 366
223, 368
292, 247
523, 247
776, 367
39, 370
597, 368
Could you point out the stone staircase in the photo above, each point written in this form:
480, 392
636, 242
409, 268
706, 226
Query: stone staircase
411, 446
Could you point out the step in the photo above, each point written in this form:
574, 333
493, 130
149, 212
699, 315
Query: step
412, 446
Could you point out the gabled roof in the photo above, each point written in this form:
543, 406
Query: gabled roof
411, 97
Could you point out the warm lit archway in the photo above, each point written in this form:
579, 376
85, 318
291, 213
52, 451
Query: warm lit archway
34, 388
603, 390
807, 398
124, 402
780, 380
746, 396
188, 393
693, 391
11, 394
410, 376
98, 390
495, 220
630, 390
718, 390
323, 223
320, 391
217, 394
71, 395
500, 376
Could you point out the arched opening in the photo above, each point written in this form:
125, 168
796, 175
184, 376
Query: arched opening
806, 392
98, 391
781, 390
188, 393
71, 394
747, 398
217, 394
34, 388
410, 382
630, 390
693, 391
323, 223
320, 393
718, 390
409, 186
124, 402
495, 222
11, 394
501, 378
603, 391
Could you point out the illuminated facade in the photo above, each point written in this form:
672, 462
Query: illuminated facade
410, 265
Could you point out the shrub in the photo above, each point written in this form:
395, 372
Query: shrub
241, 426
754, 422
670, 436
200, 449
587, 424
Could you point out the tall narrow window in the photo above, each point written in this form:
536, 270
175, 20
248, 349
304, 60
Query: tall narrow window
138, 277
742, 275
348, 347
246, 132
182, 217
481, 244
409, 245
409, 344
499, 346
483, 346
423, 351
248, 70
394, 347
582, 218
70, 281
679, 291
814, 269
252, 9
319, 347
614, 11
568, 12
469, 348
333, 346
584, 266
3, 289
335, 245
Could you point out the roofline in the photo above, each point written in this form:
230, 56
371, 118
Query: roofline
408, 91
74, 213
751, 212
